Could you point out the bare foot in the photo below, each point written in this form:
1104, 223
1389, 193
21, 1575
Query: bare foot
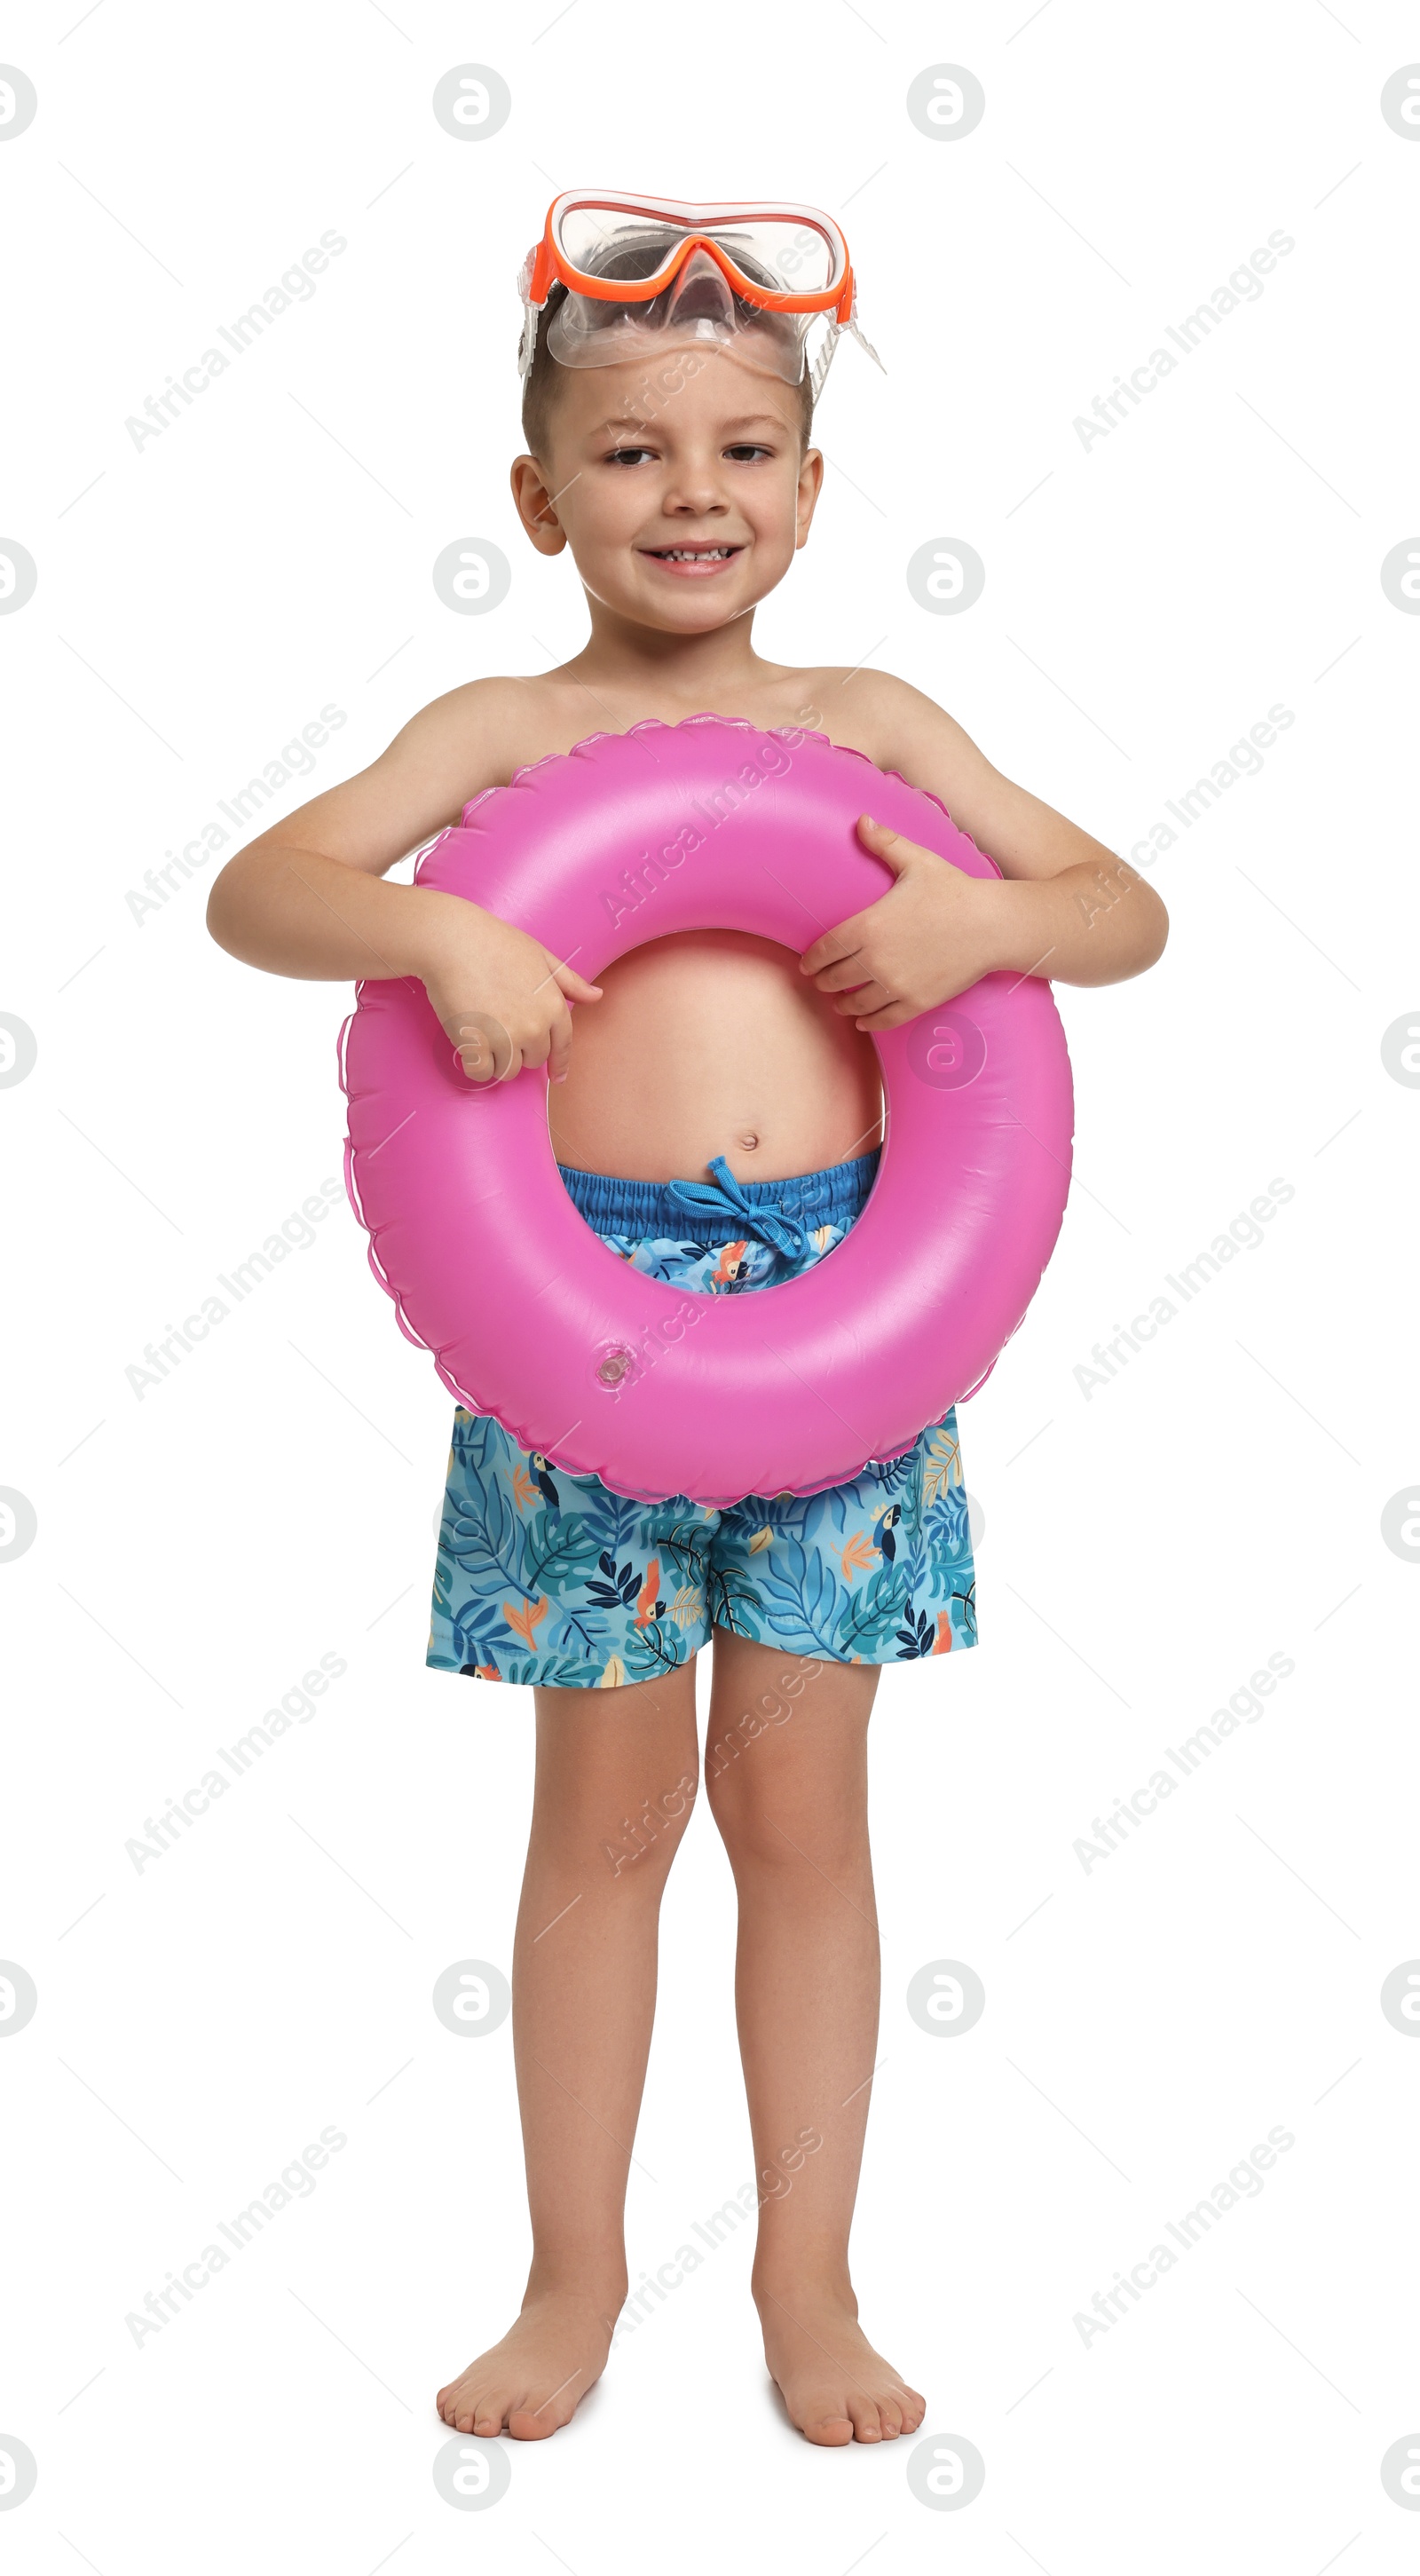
534, 2379
837, 2389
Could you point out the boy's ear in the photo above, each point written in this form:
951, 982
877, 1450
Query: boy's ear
810, 486
533, 503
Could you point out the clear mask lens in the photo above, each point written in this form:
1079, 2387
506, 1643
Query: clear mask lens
699, 309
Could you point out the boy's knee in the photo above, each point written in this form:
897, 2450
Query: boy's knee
769, 1819
728, 1739
770, 1790
643, 1845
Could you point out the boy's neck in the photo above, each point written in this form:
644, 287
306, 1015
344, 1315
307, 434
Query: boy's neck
645, 659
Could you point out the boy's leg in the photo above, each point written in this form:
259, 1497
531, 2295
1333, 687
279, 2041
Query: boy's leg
786, 1777
615, 1781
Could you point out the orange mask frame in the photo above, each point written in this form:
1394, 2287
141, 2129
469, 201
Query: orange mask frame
551, 263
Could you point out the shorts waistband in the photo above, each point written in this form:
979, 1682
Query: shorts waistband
679, 1211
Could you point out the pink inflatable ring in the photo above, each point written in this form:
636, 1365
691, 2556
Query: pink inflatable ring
710, 824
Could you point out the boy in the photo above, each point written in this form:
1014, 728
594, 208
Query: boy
718, 1121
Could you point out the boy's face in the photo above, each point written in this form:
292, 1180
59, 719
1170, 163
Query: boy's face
682, 489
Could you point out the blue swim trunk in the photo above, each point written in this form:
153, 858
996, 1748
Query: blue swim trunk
548, 1577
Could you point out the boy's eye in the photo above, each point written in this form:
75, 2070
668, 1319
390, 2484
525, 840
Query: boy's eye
741, 454
627, 455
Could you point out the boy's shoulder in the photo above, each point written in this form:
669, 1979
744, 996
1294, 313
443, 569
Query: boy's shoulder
485, 729
896, 725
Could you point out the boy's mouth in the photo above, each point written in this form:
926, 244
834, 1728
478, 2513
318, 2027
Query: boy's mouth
694, 561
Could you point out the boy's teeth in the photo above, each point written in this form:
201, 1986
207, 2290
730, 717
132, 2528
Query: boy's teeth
693, 554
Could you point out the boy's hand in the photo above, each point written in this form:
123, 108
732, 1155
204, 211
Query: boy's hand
502, 999
929, 937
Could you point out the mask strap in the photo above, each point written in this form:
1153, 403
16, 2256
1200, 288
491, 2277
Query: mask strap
824, 360
528, 343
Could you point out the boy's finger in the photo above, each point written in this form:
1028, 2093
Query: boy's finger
847, 936
841, 977
483, 1045
848, 1005
886, 844
833, 946
559, 1054
575, 986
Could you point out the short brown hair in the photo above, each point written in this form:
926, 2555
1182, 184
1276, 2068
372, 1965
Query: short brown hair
544, 375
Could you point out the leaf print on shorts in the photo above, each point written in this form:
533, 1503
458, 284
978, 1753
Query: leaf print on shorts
800, 1596
652, 1650
688, 1607
917, 1634
949, 1541
870, 1617
616, 1586
732, 1601
476, 1632
557, 1549
859, 1556
524, 1617
941, 1467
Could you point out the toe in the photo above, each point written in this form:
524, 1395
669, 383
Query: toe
890, 2418
527, 2423
866, 2424
830, 2430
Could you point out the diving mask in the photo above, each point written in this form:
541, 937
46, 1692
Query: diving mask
647, 275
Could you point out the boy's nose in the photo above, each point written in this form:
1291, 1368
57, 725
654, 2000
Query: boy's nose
697, 496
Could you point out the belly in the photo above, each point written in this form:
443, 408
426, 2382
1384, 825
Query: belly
712, 1042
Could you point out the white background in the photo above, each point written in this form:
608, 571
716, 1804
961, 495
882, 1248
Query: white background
1146, 1547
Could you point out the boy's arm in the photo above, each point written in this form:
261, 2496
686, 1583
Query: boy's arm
1070, 909
307, 898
